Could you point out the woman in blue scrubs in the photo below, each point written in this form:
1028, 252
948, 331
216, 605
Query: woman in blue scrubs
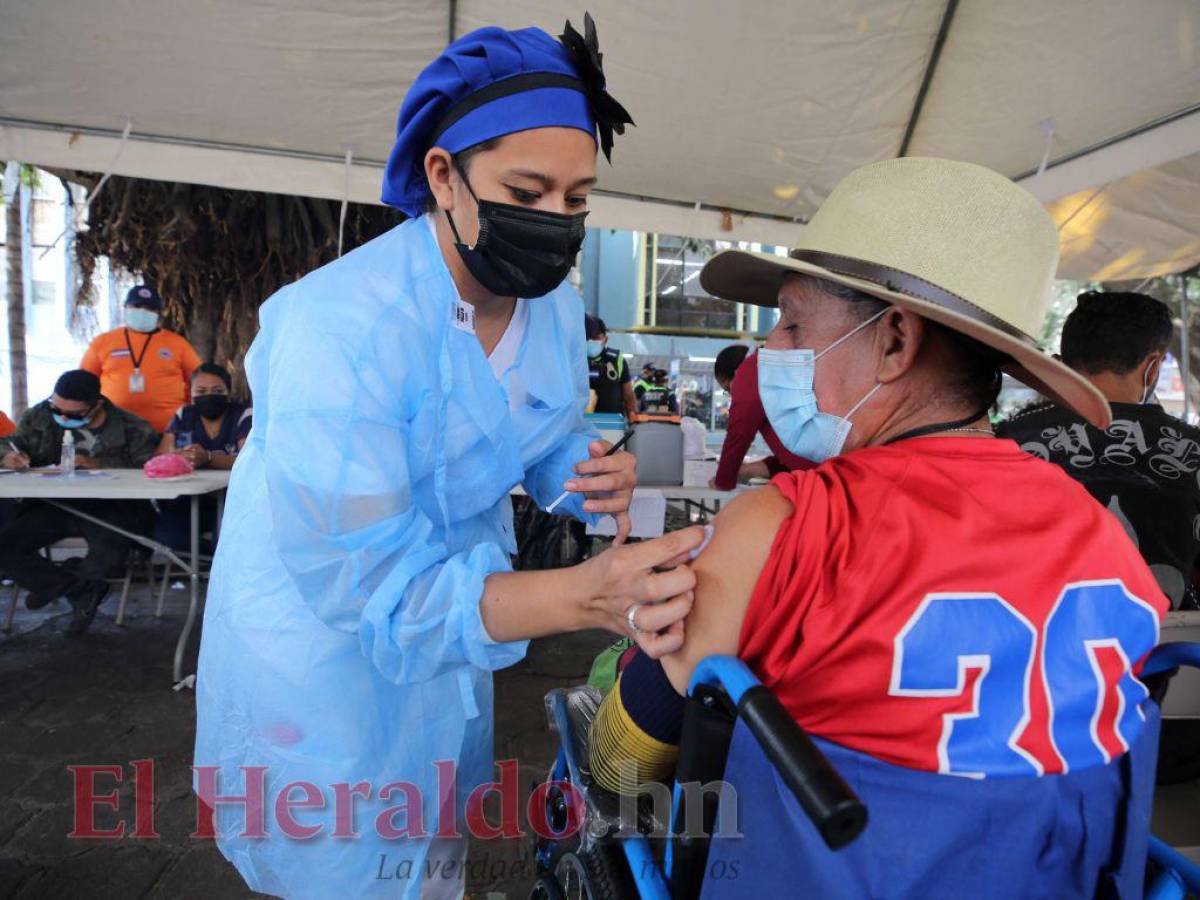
362, 593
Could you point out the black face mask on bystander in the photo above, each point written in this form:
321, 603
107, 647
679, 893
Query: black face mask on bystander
211, 406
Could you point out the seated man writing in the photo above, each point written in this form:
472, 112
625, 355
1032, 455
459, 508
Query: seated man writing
930, 600
105, 437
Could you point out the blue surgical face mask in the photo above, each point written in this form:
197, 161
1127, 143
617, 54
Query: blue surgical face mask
70, 424
594, 349
144, 320
785, 386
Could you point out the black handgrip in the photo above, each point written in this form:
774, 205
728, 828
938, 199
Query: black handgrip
821, 792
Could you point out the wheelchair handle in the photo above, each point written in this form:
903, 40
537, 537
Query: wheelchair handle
822, 793
1166, 657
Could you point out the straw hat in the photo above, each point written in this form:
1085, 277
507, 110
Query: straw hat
955, 242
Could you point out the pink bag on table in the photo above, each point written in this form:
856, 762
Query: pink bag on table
170, 465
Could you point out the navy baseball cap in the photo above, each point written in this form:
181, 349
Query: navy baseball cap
144, 296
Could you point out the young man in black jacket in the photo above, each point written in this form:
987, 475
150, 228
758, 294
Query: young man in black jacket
1144, 466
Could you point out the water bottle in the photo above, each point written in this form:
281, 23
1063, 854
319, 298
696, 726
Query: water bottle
67, 463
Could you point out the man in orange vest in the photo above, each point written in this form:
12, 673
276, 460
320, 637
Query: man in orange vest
143, 369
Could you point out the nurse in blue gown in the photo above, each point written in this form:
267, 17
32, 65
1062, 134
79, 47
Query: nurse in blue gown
362, 593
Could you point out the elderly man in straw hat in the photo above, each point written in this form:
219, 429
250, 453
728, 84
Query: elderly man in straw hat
929, 600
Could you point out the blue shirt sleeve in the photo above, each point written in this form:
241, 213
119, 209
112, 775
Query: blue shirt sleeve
362, 554
544, 482
176, 424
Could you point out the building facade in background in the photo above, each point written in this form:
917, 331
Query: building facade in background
55, 333
647, 289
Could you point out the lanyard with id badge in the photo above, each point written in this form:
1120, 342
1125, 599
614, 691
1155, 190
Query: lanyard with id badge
137, 381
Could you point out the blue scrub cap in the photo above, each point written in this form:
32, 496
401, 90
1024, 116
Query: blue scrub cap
493, 82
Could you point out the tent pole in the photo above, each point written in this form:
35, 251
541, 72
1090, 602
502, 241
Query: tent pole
1185, 364
1112, 140
927, 78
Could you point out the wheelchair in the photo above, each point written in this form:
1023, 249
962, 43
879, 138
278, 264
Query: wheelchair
597, 846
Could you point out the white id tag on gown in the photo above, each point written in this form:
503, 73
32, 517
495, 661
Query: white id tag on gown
137, 382
464, 317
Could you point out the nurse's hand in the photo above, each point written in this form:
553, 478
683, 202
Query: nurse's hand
609, 488
652, 580
643, 590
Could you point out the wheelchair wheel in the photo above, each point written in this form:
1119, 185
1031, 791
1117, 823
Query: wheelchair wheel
596, 874
547, 888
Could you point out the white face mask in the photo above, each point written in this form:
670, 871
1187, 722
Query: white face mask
1148, 386
143, 320
785, 387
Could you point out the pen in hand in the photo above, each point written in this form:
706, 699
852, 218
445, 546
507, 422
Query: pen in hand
15, 449
615, 447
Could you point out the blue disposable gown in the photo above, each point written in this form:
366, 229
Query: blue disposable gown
342, 637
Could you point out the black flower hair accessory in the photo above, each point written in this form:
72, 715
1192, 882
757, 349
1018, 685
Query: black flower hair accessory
584, 51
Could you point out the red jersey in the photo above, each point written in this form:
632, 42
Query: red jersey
747, 418
955, 605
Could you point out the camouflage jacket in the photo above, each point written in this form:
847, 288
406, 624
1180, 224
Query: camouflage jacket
123, 442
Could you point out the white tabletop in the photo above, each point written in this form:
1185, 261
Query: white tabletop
110, 484
695, 492
132, 484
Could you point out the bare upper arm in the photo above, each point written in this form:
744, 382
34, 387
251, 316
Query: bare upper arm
726, 573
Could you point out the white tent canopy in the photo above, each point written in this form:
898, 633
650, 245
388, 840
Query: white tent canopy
754, 107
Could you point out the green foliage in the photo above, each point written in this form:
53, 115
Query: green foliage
29, 176
1062, 301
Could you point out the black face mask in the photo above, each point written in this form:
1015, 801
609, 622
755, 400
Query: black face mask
211, 406
520, 252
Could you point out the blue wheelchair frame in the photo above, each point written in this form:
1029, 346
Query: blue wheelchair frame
821, 793
1180, 875
736, 679
819, 789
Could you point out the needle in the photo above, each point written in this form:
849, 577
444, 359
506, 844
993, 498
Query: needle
615, 447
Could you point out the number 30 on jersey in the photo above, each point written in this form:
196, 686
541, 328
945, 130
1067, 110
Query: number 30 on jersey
1085, 650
